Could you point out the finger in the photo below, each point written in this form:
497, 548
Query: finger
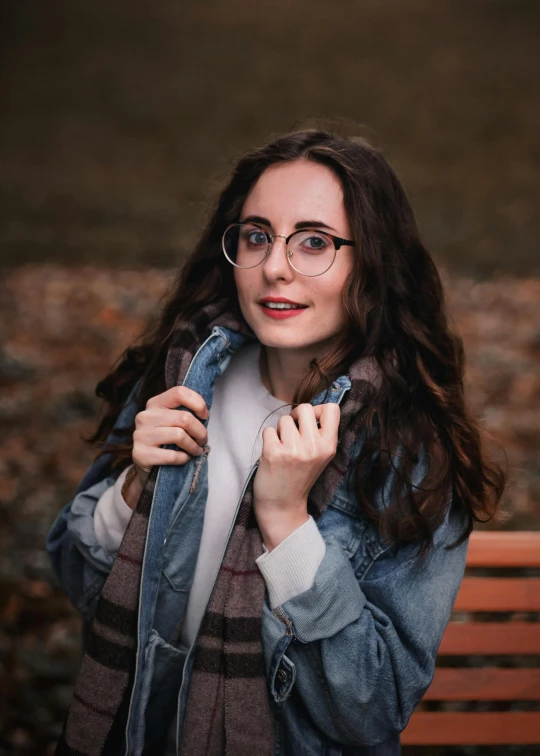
168, 418
149, 456
180, 396
158, 436
307, 417
287, 431
316, 410
329, 419
270, 439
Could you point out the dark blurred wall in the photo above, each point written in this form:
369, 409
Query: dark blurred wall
119, 120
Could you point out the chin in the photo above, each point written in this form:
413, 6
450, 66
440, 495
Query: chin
294, 341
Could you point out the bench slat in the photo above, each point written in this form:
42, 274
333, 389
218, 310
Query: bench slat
506, 549
484, 684
474, 728
498, 595
488, 549
490, 638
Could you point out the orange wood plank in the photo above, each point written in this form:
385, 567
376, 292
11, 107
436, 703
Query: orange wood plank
484, 684
471, 728
490, 638
498, 595
504, 549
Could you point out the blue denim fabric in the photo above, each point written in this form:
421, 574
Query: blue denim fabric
346, 661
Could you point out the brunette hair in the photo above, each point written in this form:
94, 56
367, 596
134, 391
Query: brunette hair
396, 310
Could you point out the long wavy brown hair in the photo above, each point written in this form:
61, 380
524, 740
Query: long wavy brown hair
396, 311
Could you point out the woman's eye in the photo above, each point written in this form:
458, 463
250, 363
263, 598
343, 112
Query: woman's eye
256, 237
315, 242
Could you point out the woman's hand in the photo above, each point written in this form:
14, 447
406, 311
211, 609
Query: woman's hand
160, 423
291, 461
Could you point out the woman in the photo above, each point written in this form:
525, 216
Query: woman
293, 605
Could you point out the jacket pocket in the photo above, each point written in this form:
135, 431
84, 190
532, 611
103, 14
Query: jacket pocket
162, 679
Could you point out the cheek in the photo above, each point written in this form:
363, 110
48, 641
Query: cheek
336, 304
331, 295
243, 283
330, 301
247, 289
336, 287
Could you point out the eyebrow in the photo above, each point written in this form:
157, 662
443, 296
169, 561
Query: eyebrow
301, 224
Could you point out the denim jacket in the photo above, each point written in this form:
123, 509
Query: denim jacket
346, 660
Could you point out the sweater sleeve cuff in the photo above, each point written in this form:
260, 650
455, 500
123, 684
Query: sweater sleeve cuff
290, 568
112, 515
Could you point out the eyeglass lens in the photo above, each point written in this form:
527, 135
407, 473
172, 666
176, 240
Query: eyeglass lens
311, 252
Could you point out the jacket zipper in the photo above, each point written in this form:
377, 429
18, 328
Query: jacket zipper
278, 613
206, 449
213, 584
213, 335
197, 471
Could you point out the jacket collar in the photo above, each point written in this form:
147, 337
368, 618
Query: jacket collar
229, 331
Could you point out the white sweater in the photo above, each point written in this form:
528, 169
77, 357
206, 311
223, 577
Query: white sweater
239, 408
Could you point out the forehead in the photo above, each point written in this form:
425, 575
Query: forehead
295, 191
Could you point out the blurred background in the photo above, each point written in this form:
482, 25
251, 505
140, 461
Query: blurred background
118, 124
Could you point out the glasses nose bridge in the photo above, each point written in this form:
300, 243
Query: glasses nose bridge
272, 237
271, 240
270, 247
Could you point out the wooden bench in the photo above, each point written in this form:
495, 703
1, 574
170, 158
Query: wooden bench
473, 637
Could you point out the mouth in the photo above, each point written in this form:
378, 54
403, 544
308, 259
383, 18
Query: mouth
280, 310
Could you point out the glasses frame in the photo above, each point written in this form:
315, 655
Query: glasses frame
337, 241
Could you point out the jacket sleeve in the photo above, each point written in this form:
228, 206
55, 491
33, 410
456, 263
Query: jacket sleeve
79, 561
361, 651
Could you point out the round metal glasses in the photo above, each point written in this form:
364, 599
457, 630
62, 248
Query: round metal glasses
247, 245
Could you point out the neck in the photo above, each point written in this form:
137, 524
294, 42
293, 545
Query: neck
282, 370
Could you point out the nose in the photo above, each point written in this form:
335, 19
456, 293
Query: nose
276, 264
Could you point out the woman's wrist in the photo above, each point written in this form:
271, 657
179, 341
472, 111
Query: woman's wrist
132, 488
277, 529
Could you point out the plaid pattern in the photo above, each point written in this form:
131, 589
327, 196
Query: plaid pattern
228, 710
